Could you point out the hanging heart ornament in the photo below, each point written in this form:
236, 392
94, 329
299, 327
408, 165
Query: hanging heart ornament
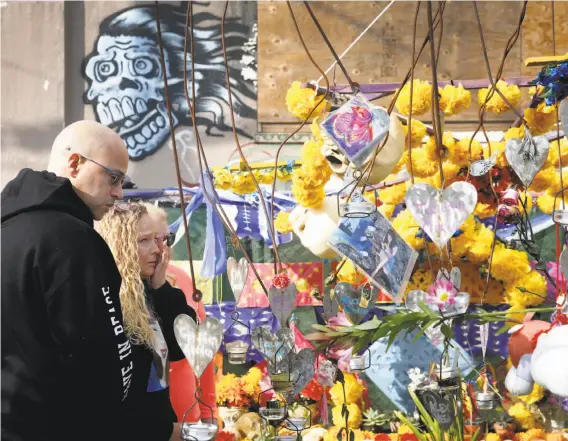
527, 156
440, 214
302, 369
282, 297
330, 305
481, 167
356, 304
237, 274
198, 343
273, 347
441, 405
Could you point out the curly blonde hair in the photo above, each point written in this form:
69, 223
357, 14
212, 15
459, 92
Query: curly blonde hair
119, 228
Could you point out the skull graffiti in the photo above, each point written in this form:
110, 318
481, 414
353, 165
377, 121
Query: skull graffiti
127, 84
126, 79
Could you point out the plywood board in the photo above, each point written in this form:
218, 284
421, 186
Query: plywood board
384, 54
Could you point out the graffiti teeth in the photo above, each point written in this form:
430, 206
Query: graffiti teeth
104, 114
139, 138
146, 132
141, 106
115, 110
130, 141
160, 121
128, 123
127, 107
154, 127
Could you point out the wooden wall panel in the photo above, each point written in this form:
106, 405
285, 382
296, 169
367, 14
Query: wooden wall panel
384, 53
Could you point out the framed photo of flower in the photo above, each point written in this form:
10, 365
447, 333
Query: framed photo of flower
357, 128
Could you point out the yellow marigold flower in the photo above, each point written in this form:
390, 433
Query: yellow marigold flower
480, 247
497, 148
533, 282
422, 165
300, 102
243, 183
403, 428
543, 179
353, 390
523, 415
448, 141
496, 104
459, 152
223, 178
282, 222
492, 437
393, 195
264, 176
553, 153
535, 396
540, 120
316, 130
435, 180
509, 265
515, 132
555, 436
421, 279
332, 432
451, 171
308, 196
545, 202
454, 99
514, 315
533, 435
394, 436
421, 98
407, 227
353, 421
483, 210
251, 382
419, 131
401, 163
527, 200
387, 210
431, 148
350, 274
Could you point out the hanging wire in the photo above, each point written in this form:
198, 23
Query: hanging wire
277, 262
281, 146
215, 202
409, 123
176, 159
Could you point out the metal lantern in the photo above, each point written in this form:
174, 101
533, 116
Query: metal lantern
237, 350
274, 413
358, 363
485, 400
560, 216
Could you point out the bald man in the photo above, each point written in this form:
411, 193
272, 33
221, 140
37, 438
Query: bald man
66, 363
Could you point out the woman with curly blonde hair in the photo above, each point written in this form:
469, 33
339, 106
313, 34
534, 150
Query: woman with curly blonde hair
149, 307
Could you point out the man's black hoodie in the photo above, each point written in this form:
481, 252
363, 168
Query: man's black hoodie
66, 361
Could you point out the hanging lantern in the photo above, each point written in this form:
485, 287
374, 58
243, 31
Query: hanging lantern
358, 363
198, 431
237, 350
275, 412
560, 215
485, 400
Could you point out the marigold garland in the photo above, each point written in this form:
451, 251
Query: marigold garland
421, 98
301, 101
454, 99
496, 104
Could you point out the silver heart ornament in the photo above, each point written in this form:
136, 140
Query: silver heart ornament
453, 276
198, 343
527, 156
441, 405
356, 304
237, 274
481, 167
273, 347
440, 214
302, 369
282, 301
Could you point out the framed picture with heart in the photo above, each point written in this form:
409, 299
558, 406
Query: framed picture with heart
378, 250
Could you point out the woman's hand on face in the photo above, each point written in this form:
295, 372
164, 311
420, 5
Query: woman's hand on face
159, 277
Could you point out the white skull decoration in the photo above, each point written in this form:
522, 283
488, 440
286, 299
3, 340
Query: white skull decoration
127, 84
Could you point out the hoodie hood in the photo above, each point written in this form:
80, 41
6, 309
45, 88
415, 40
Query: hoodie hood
32, 190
